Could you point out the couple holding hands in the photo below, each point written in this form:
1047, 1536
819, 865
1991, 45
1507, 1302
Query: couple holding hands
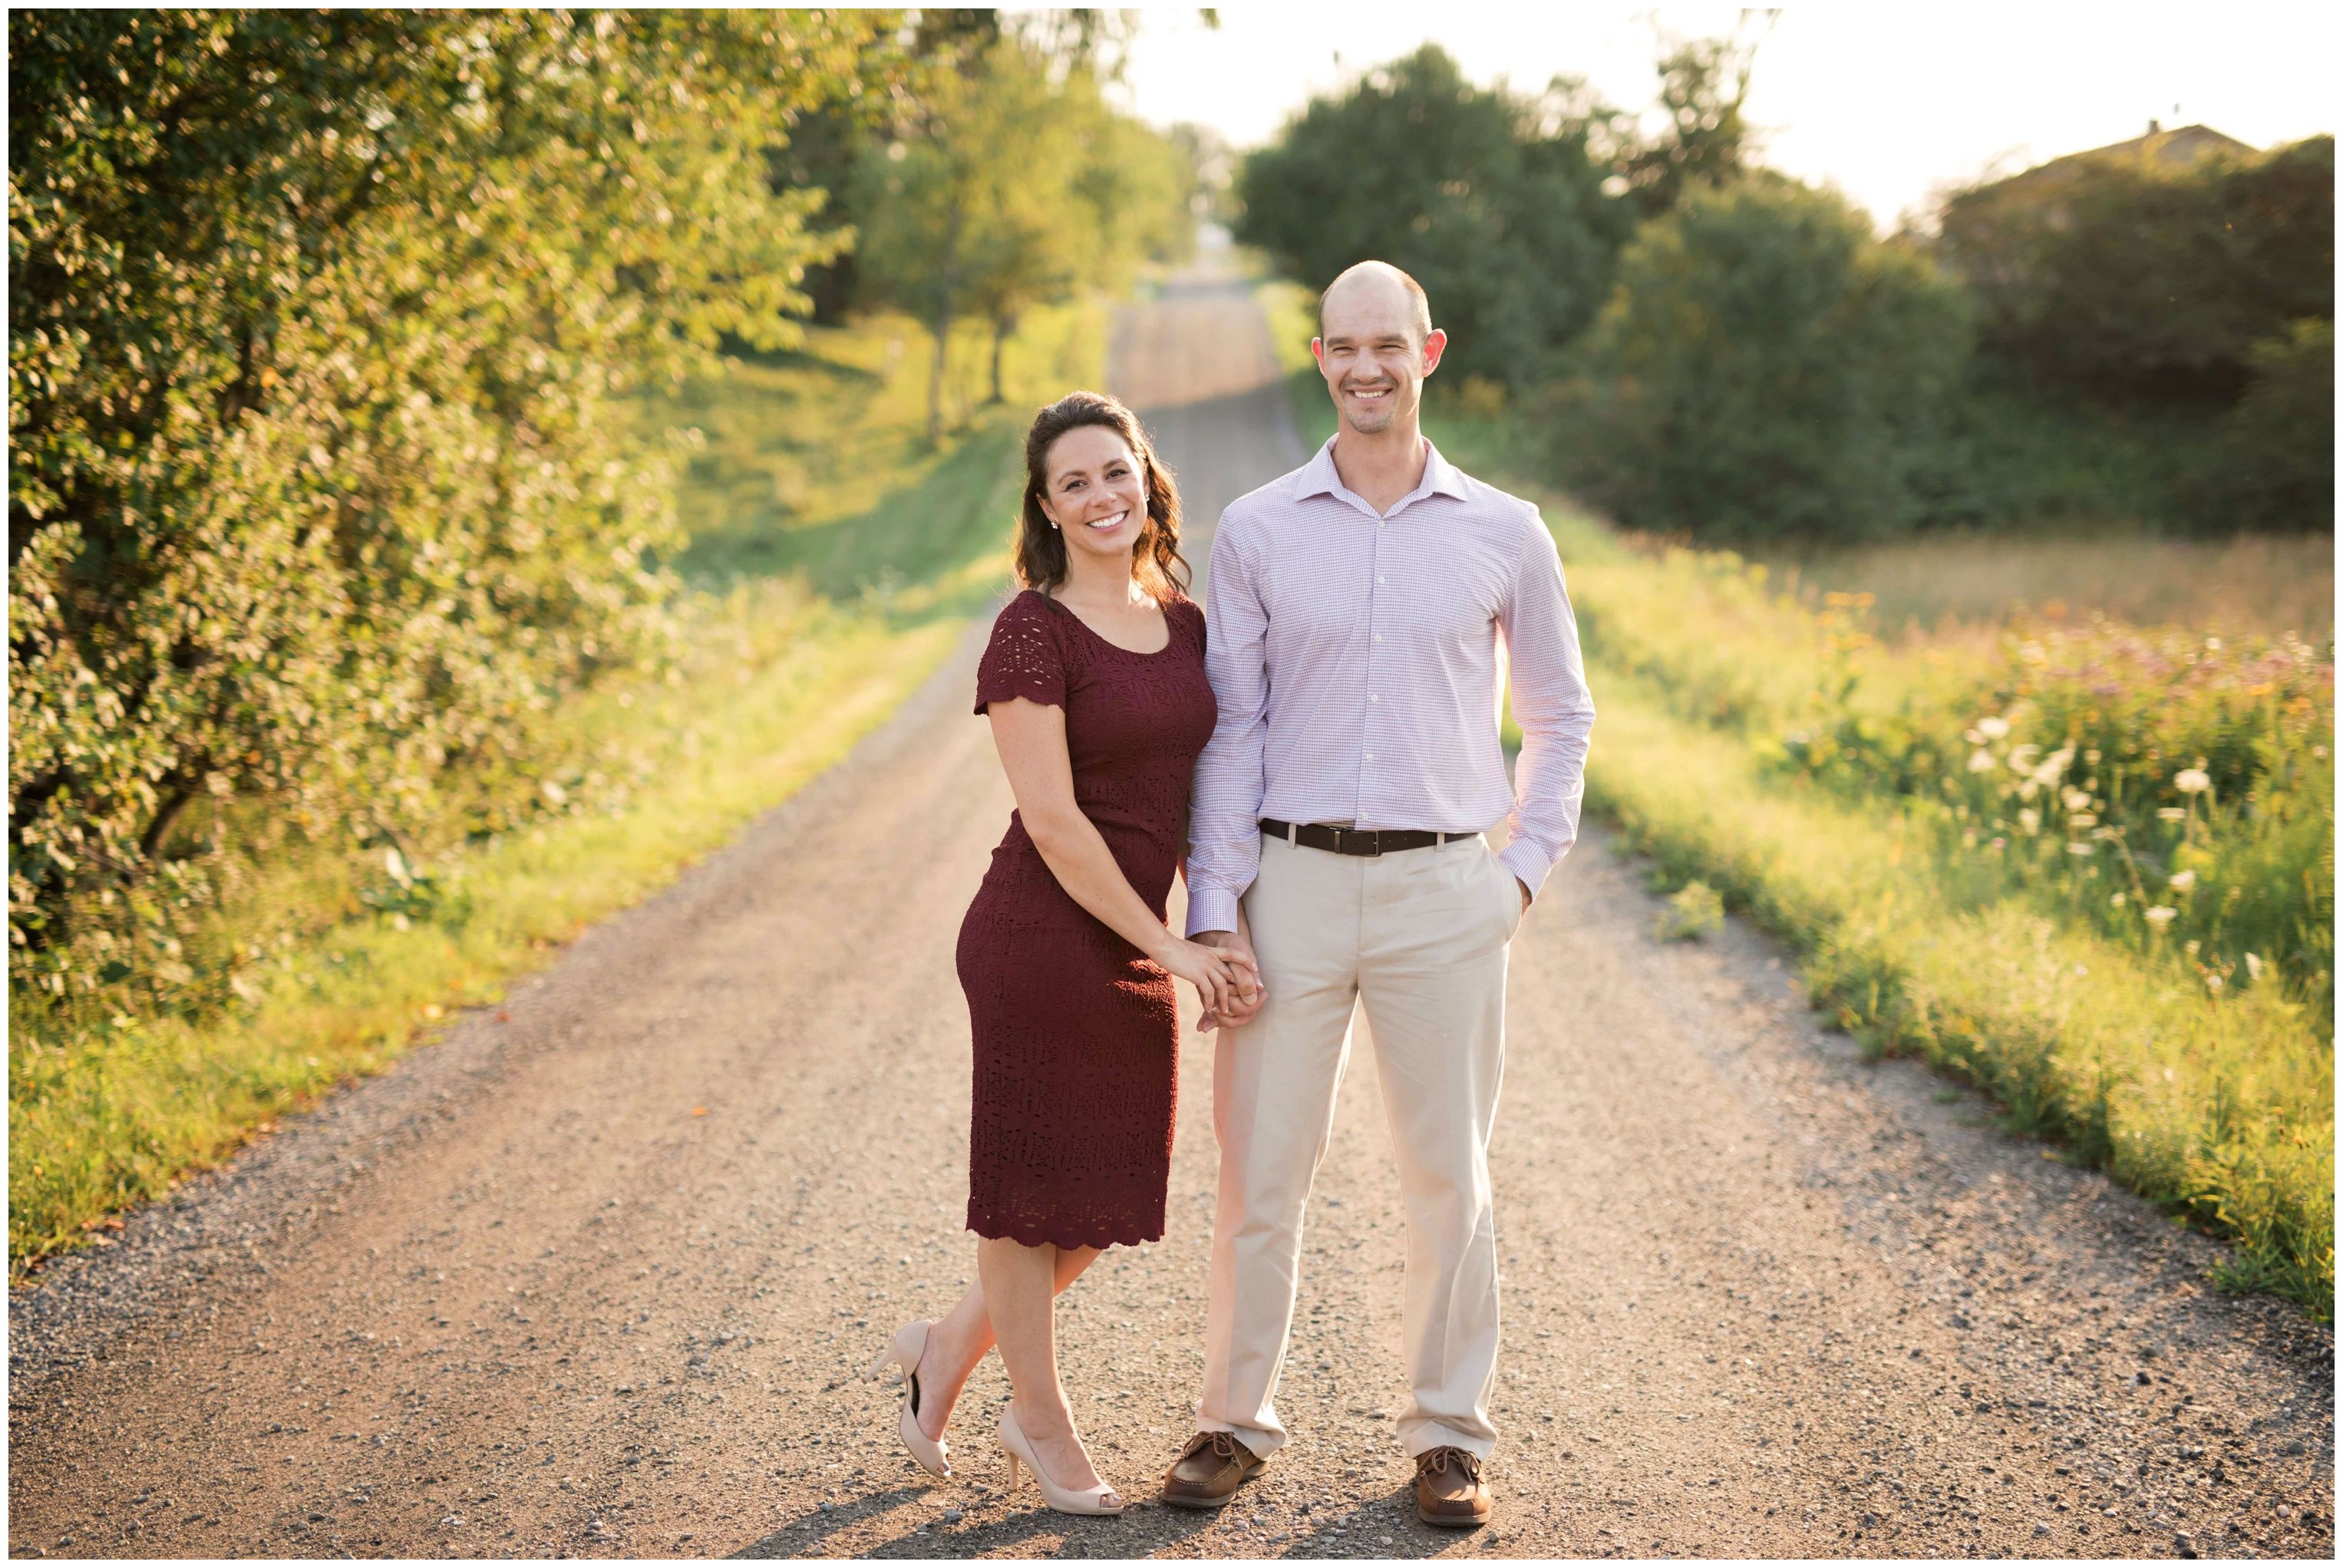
1321, 770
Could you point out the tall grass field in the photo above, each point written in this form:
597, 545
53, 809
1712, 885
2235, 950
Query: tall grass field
834, 559
2083, 862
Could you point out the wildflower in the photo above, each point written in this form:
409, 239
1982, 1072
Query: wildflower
2083, 820
2169, 813
2212, 645
2076, 800
2022, 756
2074, 848
2117, 900
1994, 728
2213, 983
2092, 757
2161, 916
2182, 881
1981, 762
2030, 820
2253, 966
2192, 780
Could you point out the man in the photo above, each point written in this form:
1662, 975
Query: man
1363, 608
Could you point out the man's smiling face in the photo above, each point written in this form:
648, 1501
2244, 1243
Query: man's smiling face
1374, 350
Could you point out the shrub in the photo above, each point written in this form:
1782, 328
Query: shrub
1763, 369
320, 482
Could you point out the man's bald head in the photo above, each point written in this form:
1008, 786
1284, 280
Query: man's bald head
1378, 284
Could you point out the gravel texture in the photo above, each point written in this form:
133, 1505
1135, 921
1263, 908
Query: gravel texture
596, 1275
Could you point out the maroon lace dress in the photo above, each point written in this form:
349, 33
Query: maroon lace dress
1077, 1035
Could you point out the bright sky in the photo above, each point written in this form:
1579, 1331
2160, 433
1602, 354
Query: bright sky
1885, 101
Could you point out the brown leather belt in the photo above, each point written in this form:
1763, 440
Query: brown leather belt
1355, 840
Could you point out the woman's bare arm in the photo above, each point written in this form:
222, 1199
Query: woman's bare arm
1032, 738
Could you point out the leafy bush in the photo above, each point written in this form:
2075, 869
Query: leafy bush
1493, 201
2141, 281
2273, 464
320, 482
1763, 369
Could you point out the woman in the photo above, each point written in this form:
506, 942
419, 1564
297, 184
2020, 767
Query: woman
1094, 683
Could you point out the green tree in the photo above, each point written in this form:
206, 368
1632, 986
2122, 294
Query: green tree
1012, 184
2139, 282
1493, 200
2273, 462
1763, 369
320, 480
1703, 85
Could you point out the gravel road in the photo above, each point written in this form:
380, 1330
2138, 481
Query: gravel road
590, 1276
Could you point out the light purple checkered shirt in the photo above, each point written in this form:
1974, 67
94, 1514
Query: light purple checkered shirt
1357, 664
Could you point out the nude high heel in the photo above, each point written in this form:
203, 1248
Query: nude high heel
1093, 1502
910, 1342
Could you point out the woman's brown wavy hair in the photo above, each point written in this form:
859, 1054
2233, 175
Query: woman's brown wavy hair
1155, 558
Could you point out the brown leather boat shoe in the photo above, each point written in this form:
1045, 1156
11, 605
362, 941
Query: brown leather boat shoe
1209, 1471
1450, 1490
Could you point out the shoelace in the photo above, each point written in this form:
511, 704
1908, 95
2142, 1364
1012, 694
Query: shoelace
1222, 1445
1440, 1459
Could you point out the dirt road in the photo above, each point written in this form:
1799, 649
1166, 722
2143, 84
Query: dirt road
590, 1276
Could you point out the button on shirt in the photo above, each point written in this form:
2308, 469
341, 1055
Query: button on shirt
1360, 663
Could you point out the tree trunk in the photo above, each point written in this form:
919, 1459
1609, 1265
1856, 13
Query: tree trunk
946, 276
1003, 326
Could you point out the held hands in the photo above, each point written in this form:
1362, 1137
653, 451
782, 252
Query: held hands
1228, 982
1249, 993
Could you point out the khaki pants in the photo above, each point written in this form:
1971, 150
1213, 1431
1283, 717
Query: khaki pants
1421, 936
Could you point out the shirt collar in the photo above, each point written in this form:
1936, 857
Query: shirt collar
1441, 478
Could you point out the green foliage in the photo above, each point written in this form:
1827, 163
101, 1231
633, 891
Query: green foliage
1694, 911
1703, 85
1495, 201
2137, 280
320, 487
1013, 186
1763, 368
2272, 465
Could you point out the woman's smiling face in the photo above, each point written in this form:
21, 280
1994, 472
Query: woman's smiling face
1095, 493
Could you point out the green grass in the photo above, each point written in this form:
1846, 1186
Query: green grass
1768, 746
834, 559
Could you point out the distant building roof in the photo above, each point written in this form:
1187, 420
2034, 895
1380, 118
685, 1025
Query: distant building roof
2177, 148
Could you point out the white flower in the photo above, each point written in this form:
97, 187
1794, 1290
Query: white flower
1994, 728
2182, 881
2253, 966
2078, 849
2030, 820
2022, 756
1981, 762
2083, 820
2117, 900
2212, 645
2076, 800
2170, 813
2192, 780
2054, 766
2161, 916
2213, 982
